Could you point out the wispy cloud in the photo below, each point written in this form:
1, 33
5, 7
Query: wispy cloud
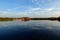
44, 8
33, 12
46, 3
40, 12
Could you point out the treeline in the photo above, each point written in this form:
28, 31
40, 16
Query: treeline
6, 19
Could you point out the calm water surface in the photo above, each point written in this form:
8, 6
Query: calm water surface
30, 30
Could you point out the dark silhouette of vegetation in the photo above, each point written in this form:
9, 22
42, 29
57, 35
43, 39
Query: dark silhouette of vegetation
6, 19
27, 19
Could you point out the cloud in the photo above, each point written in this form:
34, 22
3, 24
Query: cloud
39, 2
46, 3
12, 9
36, 2
46, 12
49, 9
33, 12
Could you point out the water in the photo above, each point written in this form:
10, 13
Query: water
30, 30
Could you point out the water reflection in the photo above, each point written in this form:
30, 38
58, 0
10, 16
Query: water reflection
17, 30
30, 23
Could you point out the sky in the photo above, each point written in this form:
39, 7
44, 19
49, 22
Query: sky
29, 8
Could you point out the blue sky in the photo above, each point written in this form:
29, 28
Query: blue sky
29, 8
